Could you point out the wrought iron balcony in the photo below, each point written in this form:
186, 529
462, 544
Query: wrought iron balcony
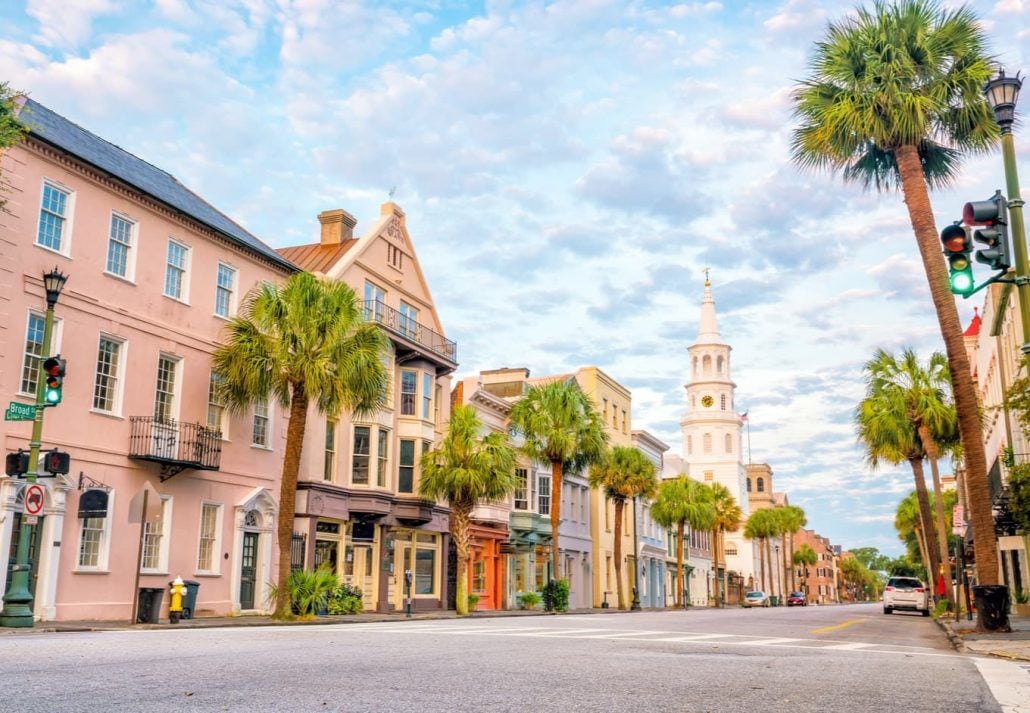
176, 446
423, 339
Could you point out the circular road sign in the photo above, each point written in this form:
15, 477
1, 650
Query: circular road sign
34, 499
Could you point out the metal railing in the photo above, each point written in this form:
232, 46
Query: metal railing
169, 441
405, 326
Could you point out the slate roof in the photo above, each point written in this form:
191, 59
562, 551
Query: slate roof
54, 129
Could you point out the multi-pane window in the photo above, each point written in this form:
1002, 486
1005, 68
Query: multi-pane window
375, 298
207, 557
164, 398
215, 407
544, 495
521, 496
33, 354
408, 320
409, 389
479, 576
119, 245
329, 466
406, 466
225, 290
105, 387
260, 436
425, 563
53, 214
90, 539
382, 453
175, 270
362, 449
427, 396
155, 539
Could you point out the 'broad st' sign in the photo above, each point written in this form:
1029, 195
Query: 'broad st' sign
17, 411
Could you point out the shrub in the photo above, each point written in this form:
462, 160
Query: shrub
473, 600
942, 607
528, 600
307, 590
345, 599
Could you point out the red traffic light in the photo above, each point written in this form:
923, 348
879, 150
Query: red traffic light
57, 462
955, 239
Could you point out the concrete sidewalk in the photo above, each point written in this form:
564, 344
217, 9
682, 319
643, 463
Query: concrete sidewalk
1012, 645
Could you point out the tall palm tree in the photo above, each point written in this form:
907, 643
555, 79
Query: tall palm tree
922, 392
895, 99
792, 519
806, 557
890, 437
559, 425
681, 503
624, 473
762, 526
466, 468
303, 342
728, 518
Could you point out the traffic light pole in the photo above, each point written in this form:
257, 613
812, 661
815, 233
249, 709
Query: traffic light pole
1008, 152
17, 612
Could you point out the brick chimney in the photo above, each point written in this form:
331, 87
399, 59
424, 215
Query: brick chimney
337, 226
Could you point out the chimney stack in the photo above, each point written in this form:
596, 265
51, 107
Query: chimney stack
337, 226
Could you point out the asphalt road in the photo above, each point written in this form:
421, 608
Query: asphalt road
770, 660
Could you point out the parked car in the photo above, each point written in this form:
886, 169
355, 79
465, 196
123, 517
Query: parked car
906, 593
797, 599
756, 599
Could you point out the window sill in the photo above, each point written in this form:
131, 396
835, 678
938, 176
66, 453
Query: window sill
153, 573
260, 447
107, 414
173, 298
207, 575
120, 278
91, 571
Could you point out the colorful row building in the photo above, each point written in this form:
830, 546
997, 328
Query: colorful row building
154, 275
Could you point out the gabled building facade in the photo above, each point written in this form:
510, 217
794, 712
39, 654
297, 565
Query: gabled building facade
154, 274
358, 509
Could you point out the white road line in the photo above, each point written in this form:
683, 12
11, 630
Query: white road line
696, 637
767, 642
1009, 683
622, 635
853, 646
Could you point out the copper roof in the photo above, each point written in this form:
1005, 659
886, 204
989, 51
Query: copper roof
316, 257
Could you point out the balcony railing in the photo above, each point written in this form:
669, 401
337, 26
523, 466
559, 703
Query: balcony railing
175, 445
405, 326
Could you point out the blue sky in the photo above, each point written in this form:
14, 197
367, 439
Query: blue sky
568, 169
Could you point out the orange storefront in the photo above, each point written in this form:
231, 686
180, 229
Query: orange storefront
486, 566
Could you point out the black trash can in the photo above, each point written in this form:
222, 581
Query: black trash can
189, 602
992, 607
148, 606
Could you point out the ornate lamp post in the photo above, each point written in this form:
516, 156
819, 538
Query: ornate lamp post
17, 611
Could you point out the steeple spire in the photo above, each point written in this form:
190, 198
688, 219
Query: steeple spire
708, 328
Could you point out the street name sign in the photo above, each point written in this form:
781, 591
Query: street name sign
18, 411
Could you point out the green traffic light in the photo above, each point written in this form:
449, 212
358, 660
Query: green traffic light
962, 283
52, 396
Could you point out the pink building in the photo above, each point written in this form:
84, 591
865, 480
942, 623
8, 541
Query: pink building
154, 274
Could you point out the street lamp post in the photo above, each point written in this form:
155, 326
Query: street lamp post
17, 612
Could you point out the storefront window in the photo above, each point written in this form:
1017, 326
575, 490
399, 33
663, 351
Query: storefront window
479, 576
425, 570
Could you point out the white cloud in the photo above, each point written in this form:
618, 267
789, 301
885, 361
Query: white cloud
66, 25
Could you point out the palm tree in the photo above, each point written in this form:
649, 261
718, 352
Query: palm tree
683, 502
467, 468
805, 557
624, 473
920, 394
728, 518
792, 519
890, 437
894, 100
560, 426
301, 342
761, 526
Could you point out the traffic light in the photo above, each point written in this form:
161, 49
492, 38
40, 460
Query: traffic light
53, 371
17, 464
56, 462
992, 213
957, 246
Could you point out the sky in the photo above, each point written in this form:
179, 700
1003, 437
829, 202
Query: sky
568, 169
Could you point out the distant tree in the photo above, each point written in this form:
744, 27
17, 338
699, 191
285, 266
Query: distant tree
871, 558
468, 467
762, 525
302, 342
681, 503
791, 518
805, 557
559, 425
12, 128
624, 473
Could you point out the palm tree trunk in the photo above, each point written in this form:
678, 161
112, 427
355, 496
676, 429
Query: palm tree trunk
917, 199
556, 474
921, 542
725, 573
715, 556
679, 563
620, 503
925, 519
288, 494
930, 446
460, 513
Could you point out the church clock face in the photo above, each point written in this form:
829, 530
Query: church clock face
707, 401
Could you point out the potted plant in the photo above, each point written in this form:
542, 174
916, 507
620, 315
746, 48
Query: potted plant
528, 600
473, 600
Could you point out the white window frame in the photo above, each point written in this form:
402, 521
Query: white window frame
129, 246
165, 541
222, 411
521, 492
184, 277
65, 240
367, 455
230, 291
329, 450
411, 395
382, 459
266, 405
103, 546
377, 295
407, 320
118, 376
173, 408
32, 362
543, 492
427, 396
216, 540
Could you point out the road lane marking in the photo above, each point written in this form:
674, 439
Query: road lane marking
853, 646
768, 642
838, 626
622, 635
1009, 683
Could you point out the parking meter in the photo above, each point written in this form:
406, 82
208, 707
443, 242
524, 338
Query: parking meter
407, 588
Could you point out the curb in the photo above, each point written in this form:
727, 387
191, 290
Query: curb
955, 639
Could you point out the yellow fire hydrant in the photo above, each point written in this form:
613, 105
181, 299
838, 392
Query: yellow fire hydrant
175, 607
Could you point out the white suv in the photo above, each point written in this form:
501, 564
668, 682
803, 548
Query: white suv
906, 593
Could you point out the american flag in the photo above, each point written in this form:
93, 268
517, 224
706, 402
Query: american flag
743, 417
